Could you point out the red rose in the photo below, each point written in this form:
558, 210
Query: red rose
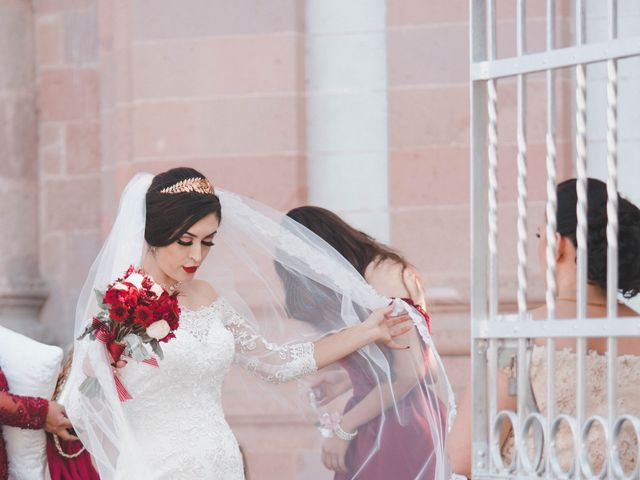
143, 316
147, 283
130, 270
131, 297
119, 312
113, 296
167, 338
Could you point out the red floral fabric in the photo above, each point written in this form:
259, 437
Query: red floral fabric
18, 411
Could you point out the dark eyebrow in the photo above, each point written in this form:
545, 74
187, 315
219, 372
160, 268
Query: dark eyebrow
195, 236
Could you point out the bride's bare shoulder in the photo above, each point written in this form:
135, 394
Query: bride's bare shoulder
200, 291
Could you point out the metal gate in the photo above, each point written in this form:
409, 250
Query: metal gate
493, 333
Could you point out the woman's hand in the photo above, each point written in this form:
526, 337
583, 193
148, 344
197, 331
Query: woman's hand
329, 385
57, 422
386, 327
334, 451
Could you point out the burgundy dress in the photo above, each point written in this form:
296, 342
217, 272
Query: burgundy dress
18, 411
405, 442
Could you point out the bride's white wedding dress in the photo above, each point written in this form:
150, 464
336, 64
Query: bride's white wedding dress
176, 412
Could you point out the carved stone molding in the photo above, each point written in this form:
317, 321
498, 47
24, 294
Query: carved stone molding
20, 305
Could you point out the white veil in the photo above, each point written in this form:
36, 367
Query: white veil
270, 269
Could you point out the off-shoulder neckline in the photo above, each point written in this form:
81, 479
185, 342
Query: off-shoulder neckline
202, 307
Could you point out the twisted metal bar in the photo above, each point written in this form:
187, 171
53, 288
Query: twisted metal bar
612, 187
522, 209
581, 184
581, 235
493, 198
551, 225
612, 226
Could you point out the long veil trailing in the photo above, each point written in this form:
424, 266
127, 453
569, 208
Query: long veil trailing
291, 287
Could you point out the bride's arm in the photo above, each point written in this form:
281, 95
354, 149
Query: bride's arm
281, 363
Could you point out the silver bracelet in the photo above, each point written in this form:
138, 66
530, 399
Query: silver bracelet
340, 433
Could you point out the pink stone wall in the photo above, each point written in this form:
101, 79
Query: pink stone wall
96, 90
68, 80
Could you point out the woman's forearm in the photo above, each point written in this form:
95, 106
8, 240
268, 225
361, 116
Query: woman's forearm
376, 401
23, 412
335, 347
408, 371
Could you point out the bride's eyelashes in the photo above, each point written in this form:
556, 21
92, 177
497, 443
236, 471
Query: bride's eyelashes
189, 243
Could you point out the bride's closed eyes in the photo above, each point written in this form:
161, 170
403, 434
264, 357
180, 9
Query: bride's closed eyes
189, 243
187, 240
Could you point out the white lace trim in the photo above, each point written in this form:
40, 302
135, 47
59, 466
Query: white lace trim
344, 278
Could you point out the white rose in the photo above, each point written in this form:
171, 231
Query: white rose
157, 289
120, 286
158, 330
135, 279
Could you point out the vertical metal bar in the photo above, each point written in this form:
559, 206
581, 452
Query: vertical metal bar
493, 167
581, 211
479, 244
612, 220
492, 153
551, 224
522, 213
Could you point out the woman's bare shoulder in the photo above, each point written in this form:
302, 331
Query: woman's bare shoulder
385, 276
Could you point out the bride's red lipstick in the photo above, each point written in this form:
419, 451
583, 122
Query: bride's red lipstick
190, 269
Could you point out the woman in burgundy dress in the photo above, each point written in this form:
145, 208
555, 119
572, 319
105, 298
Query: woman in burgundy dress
31, 413
406, 439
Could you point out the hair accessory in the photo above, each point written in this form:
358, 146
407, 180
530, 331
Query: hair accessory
195, 184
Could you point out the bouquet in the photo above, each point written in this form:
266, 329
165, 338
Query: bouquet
134, 311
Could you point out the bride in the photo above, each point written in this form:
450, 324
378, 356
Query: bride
174, 427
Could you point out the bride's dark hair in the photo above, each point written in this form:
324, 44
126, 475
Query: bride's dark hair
628, 234
169, 216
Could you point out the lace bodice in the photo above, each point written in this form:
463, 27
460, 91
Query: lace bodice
628, 402
176, 412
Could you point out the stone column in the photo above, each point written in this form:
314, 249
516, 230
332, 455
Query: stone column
346, 67
22, 292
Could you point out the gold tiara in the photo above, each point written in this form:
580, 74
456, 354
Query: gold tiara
195, 184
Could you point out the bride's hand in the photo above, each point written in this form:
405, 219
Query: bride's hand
386, 327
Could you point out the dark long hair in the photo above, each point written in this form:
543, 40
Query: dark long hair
357, 247
628, 234
169, 216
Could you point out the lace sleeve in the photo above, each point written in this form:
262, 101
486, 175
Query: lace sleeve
272, 363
